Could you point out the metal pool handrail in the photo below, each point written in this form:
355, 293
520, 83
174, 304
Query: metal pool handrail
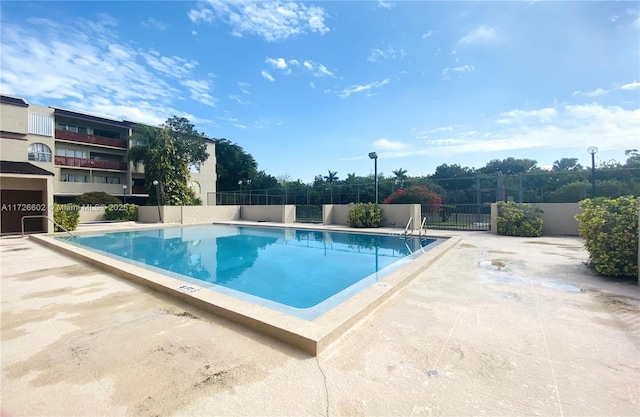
46, 217
424, 219
406, 229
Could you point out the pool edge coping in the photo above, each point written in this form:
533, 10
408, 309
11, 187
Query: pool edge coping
312, 337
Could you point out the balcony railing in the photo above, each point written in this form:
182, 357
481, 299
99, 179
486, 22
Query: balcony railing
90, 163
93, 139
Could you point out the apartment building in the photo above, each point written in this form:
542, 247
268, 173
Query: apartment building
52, 154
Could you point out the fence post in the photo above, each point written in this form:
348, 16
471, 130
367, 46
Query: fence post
520, 188
478, 198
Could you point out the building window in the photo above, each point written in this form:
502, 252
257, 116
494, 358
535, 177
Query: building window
73, 153
39, 152
71, 128
195, 186
101, 179
73, 178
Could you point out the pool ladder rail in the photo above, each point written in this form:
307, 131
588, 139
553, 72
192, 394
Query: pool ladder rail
46, 217
406, 229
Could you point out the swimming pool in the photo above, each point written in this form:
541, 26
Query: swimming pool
300, 272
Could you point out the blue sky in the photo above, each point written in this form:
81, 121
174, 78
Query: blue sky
307, 87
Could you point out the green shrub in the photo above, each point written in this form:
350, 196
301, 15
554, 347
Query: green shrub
66, 215
610, 230
519, 219
126, 212
96, 198
364, 215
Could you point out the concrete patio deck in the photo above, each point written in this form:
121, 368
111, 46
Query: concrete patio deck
496, 326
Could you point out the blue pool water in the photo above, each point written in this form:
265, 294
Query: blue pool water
289, 269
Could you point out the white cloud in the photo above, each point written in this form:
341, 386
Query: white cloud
194, 33
271, 20
238, 99
427, 34
199, 90
546, 115
482, 35
385, 5
358, 88
631, 86
312, 84
568, 127
268, 76
461, 69
244, 87
89, 68
593, 93
377, 55
154, 24
279, 63
388, 145
318, 70
294, 62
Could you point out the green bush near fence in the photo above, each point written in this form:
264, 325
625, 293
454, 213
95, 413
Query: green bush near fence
125, 212
519, 219
610, 230
66, 215
364, 215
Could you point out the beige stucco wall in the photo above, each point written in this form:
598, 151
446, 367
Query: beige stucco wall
262, 213
13, 150
393, 215
209, 214
207, 175
14, 119
558, 218
85, 187
91, 214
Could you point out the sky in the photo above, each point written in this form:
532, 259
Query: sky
307, 87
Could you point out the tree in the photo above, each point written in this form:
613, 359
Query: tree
634, 158
263, 181
401, 174
166, 152
233, 165
567, 164
332, 177
509, 166
452, 177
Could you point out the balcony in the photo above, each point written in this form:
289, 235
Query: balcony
90, 163
92, 139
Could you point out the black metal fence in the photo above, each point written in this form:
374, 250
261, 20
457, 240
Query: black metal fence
457, 216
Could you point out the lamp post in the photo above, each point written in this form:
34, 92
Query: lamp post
157, 184
124, 194
374, 156
593, 150
240, 185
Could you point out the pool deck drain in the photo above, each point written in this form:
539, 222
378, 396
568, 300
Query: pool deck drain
312, 336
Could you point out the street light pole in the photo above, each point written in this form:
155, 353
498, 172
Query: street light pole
374, 156
157, 184
124, 194
593, 150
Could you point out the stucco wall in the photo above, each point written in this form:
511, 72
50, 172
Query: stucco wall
91, 214
14, 119
209, 214
558, 218
262, 213
393, 215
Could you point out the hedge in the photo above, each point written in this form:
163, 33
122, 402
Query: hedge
66, 215
610, 230
519, 219
364, 215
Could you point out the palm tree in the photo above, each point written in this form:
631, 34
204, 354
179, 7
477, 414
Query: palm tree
567, 164
401, 174
332, 177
